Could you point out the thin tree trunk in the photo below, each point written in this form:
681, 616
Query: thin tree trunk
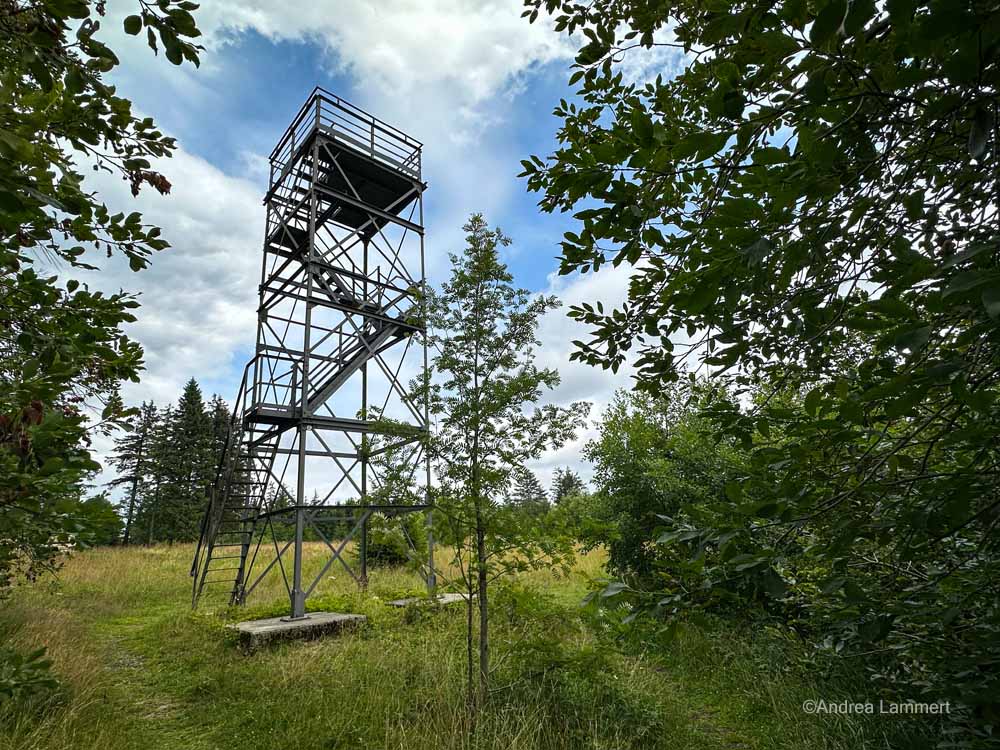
484, 622
131, 510
471, 686
152, 513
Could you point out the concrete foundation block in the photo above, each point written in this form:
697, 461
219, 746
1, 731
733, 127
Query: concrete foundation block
439, 599
256, 633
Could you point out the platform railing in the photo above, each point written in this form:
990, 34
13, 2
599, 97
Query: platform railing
354, 127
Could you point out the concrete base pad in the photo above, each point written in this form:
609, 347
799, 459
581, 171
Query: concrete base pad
255, 633
439, 599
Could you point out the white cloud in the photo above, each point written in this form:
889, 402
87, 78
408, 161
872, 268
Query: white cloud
579, 382
446, 71
198, 298
399, 47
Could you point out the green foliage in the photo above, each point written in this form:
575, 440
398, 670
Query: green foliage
489, 425
566, 482
809, 209
24, 675
62, 346
580, 688
132, 461
585, 517
527, 494
396, 541
98, 520
167, 462
135, 644
656, 458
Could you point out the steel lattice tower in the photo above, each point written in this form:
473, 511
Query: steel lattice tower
340, 331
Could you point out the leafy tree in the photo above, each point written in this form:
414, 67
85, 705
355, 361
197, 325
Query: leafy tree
489, 425
810, 206
61, 345
654, 457
99, 520
395, 477
131, 459
527, 494
566, 482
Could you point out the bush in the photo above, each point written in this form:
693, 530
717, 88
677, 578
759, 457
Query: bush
24, 676
395, 541
580, 692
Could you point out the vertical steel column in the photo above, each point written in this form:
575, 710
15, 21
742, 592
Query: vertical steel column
365, 438
298, 595
431, 574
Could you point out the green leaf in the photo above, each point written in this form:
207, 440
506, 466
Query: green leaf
979, 132
769, 155
701, 144
853, 592
613, 589
592, 53
642, 126
860, 12
967, 280
828, 22
733, 104
815, 88
813, 400
174, 54
133, 25
51, 466
833, 585
773, 584
40, 72
991, 301
912, 339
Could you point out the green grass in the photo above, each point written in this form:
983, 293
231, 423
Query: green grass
139, 669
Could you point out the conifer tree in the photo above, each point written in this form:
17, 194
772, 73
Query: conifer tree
565, 483
527, 494
151, 514
131, 460
219, 415
193, 467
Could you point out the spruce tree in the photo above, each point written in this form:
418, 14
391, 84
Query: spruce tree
565, 483
131, 460
219, 415
193, 469
150, 514
527, 493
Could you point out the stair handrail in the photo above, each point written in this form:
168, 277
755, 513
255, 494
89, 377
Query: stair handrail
225, 460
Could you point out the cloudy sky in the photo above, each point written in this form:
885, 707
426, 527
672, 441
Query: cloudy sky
469, 78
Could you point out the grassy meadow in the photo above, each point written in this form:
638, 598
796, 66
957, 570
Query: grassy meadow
139, 669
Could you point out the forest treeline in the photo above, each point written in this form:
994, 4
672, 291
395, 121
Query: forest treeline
167, 460
166, 463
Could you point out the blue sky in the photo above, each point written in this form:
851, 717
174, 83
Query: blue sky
469, 78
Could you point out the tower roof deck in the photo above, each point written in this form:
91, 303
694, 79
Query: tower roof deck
353, 127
